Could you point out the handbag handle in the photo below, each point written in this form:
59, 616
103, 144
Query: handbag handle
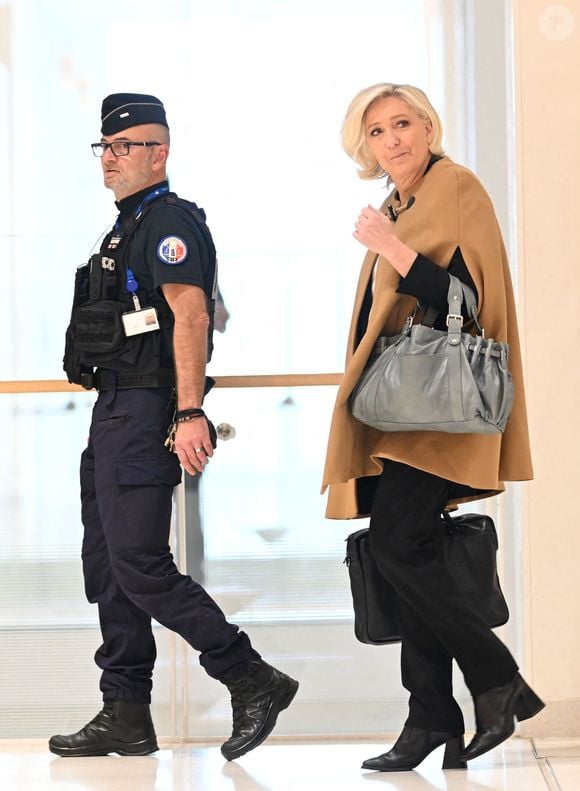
458, 291
454, 324
455, 299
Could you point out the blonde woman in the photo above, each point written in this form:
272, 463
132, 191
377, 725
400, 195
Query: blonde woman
437, 220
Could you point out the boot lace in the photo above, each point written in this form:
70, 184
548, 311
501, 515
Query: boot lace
240, 692
103, 719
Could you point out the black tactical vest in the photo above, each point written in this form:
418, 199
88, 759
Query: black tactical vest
95, 337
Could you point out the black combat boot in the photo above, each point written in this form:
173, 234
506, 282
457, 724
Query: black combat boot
257, 699
121, 727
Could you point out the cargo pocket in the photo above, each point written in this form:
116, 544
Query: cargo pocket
142, 511
152, 471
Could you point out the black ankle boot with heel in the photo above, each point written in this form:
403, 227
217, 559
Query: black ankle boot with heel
413, 746
494, 715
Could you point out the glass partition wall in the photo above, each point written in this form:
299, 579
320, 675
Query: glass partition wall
271, 560
255, 93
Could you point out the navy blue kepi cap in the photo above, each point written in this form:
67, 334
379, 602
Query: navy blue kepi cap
123, 110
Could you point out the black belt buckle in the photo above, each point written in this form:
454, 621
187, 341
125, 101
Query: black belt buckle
88, 381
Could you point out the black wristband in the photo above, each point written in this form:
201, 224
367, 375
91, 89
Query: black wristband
183, 415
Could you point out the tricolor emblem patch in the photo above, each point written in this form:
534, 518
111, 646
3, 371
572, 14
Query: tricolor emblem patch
172, 250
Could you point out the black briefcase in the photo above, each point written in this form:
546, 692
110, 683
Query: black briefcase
468, 549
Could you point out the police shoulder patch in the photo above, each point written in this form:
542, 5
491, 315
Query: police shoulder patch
172, 250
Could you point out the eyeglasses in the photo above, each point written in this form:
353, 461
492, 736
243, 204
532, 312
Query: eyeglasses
119, 148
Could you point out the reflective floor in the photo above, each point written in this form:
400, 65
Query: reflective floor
518, 765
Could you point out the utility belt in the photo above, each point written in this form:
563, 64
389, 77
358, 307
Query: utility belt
107, 379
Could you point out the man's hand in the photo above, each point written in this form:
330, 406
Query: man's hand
193, 445
188, 304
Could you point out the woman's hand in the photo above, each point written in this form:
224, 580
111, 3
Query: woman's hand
374, 230
377, 233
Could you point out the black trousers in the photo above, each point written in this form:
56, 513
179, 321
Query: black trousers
127, 481
437, 623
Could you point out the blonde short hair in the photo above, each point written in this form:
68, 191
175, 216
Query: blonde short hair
353, 129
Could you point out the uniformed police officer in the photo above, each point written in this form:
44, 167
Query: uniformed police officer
140, 332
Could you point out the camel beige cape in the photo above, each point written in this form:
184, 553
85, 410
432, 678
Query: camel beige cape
451, 210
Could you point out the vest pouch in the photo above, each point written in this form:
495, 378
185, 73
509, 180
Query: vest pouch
98, 327
71, 362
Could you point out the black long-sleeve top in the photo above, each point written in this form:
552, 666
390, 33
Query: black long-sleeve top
430, 283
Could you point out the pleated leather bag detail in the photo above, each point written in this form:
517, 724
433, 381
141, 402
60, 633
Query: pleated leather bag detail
430, 380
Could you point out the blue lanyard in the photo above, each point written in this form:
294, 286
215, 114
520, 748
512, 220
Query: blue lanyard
131, 283
147, 199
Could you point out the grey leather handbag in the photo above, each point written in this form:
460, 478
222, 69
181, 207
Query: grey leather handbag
430, 380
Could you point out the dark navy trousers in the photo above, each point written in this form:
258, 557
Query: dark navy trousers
436, 621
127, 481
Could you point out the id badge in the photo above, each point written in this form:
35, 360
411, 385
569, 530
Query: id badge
136, 322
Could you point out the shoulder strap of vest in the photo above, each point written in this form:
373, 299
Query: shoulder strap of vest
198, 214
199, 228
192, 209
